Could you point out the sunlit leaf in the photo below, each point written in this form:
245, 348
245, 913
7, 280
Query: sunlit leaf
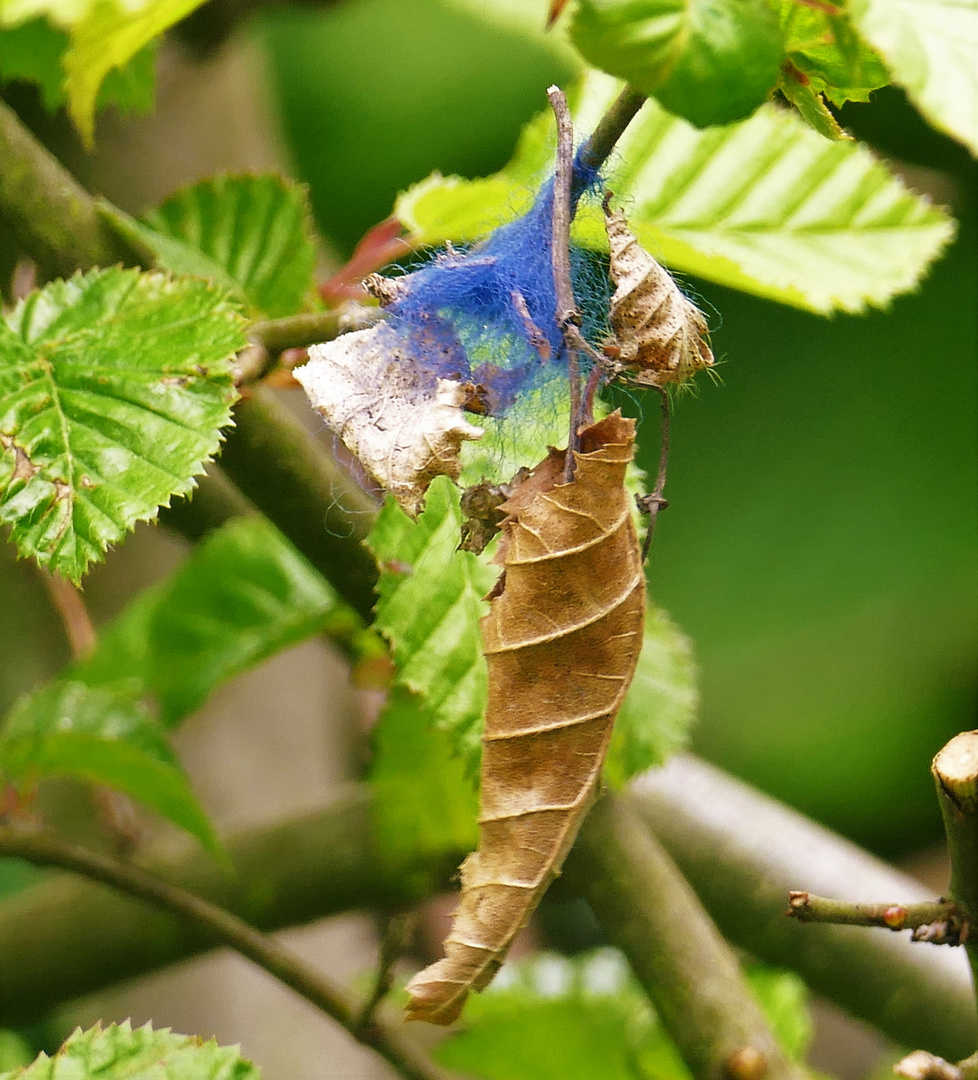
429, 606
114, 386
708, 61
244, 594
118, 1052
106, 36
810, 104
103, 735
767, 206
930, 47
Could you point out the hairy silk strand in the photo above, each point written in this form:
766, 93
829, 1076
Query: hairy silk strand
562, 639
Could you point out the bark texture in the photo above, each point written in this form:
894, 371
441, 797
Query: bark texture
562, 639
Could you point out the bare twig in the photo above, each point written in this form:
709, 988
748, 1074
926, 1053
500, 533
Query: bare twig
41, 850
67, 601
652, 503
397, 935
567, 314
937, 921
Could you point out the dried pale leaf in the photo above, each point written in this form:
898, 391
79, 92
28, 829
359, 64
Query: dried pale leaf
562, 639
661, 335
404, 425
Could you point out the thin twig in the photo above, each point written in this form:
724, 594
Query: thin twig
652, 503
596, 150
42, 850
67, 601
393, 944
567, 314
939, 920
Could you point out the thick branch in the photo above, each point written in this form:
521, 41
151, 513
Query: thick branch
227, 929
53, 218
688, 970
306, 493
955, 771
743, 852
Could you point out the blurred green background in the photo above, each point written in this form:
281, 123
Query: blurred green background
821, 546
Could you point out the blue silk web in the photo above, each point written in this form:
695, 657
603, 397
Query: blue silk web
488, 316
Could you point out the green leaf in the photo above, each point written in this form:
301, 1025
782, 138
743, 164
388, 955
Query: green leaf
767, 206
117, 1052
114, 386
108, 35
826, 49
708, 61
424, 801
429, 606
103, 735
14, 1050
244, 594
930, 47
33, 51
248, 233
660, 706
555, 1018
811, 105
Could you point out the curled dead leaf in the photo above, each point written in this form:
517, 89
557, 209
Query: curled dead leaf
661, 336
405, 425
562, 639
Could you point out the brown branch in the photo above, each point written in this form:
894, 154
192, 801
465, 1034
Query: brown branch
224, 927
567, 314
652, 503
688, 971
67, 600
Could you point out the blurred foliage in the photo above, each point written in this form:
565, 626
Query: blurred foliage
821, 545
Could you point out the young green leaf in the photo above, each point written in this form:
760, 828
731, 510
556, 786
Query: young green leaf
114, 386
797, 88
555, 1018
244, 594
33, 51
708, 61
107, 35
249, 234
14, 1050
102, 735
930, 47
117, 1052
424, 801
767, 206
430, 603
823, 46
660, 706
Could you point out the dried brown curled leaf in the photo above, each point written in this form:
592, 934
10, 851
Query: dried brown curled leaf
660, 335
405, 426
562, 639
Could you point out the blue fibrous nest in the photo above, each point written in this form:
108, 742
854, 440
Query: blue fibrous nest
487, 316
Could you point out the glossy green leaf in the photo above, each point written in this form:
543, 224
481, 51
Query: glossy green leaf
114, 386
33, 51
767, 206
930, 47
429, 606
660, 707
555, 1018
825, 48
108, 35
424, 798
103, 735
708, 61
250, 234
118, 1052
244, 594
